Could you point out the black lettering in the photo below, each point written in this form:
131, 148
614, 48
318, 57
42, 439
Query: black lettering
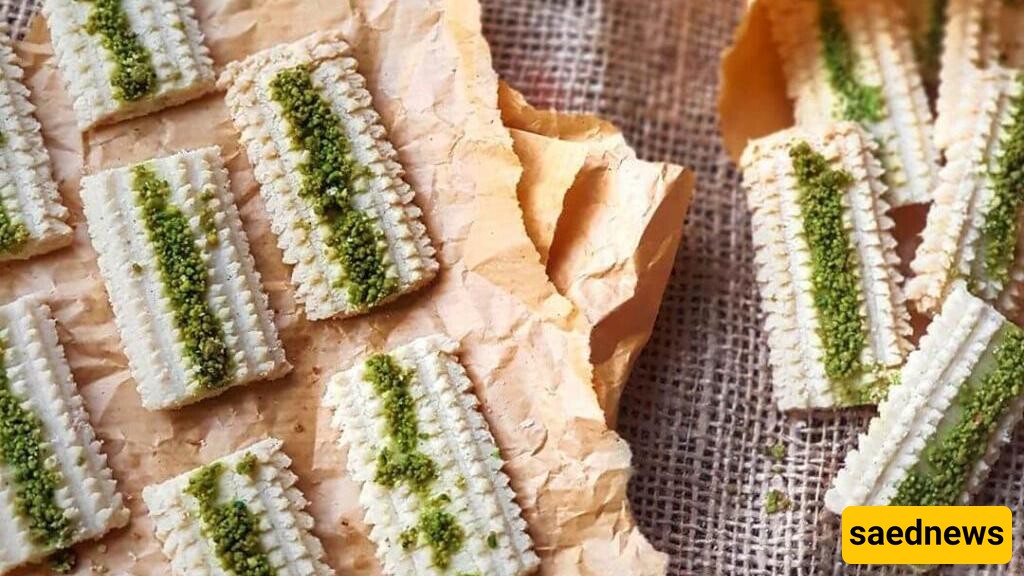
857, 535
995, 535
875, 536
928, 535
913, 534
974, 535
952, 535
894, 535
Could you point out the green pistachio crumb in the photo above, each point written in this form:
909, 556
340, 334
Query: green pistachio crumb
408, 538
940, 477
331, 177
928, 48
999, 232
776, 501
13, 233
835, 282
860, 103
24, 452
247, 465
442, 532
492, 540
778, 451
134, 76
185, 280
231, 526
63, 561
402, 462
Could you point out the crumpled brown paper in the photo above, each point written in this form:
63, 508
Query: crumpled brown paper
526, 346
608, 239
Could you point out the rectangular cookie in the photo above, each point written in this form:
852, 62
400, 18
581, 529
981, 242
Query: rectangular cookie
32, 218
56, 489
126, 58
344, 217
978, 35
942, 426
246, 502
854, 60
431, 477
837, 321
973, 229
153, 224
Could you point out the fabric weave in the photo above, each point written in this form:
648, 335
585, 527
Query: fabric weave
698, 410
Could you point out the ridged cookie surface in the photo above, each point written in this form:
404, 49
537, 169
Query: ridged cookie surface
973, 229
246, 502
433, 488
187, 298
344, 217
942, 426
126, 58
56, 489
32, 218
837, 321
854, 60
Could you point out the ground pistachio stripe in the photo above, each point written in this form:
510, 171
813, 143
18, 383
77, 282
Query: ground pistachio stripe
402, 462
185, 279
13, 233
835, 284
134, 76
24, 452
999, 233
330, 177
942, 475
860, 103
232, 527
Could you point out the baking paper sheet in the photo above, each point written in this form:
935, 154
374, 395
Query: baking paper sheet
526, 340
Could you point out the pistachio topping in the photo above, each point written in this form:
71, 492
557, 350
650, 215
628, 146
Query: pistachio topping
941, 476
441, 531
835, 283
184, 278
13, 233
24, 452
999, 232
231, 526
401, 461
330, 178
860, 103
247, 465
134, 76
929, 47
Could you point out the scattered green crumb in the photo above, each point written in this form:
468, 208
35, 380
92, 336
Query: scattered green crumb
777, 451
247, 465
776, 501
492, 540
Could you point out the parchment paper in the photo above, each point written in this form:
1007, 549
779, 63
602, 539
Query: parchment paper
526, 346
610, 238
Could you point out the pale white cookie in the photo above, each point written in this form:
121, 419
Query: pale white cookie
785, 268
905, 457
876, 35
35, 374
32, 218
979, 34
259, 479
957, 239
141, 295
169, 52
451, 432
324, 283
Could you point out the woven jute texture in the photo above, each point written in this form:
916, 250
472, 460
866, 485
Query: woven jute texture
698, 410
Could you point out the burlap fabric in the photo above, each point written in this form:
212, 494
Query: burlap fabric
697, 411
